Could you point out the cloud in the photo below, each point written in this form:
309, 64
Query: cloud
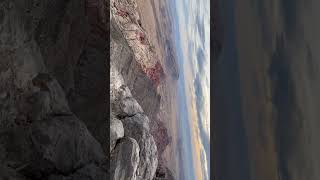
202, 120
205, 164
193, 25
200, 27
200, 59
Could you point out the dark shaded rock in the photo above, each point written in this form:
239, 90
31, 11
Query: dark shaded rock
125, 160
163, 173
59, 144
41, 105
88, 172
65, 143
44, 50
7, 173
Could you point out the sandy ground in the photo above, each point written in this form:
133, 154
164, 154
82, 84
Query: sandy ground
150, 19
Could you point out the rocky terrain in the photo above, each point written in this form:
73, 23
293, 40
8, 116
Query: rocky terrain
53, 109
157, 20
53, 116
138, 137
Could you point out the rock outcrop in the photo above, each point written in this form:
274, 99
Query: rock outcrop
161, 136
163, 173
116, 131
138, 65
52, 77
128, 114
137, 127
125, 160
134, 99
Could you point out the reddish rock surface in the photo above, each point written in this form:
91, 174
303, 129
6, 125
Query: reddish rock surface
155, 74
160, 134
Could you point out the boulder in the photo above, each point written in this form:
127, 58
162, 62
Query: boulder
125, 160
116, 131
65, 144
137, 127
127, 106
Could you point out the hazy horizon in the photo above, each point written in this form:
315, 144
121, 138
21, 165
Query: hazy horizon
192, 35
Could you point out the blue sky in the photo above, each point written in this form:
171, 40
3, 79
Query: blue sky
192, 38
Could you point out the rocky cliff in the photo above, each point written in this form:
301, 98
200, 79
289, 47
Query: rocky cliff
140, 69
132, 147
138, 137
53, 113
52, 88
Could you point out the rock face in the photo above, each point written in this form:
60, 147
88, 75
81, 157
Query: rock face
138, 127
52, 117
163, 173
134, 60
116, 131
88, 172
64, 143
125, 160
133, 98
9, 173
161, 136
127, 112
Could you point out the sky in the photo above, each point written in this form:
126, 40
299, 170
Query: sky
192, 38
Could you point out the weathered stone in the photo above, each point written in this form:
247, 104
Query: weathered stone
88, 172
7, 173
65, 143
137, 127
49, 51
127, 107
160, 135
40, 105
125, 160
141, 87
116, 131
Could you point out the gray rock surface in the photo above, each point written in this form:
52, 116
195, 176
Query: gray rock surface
116, 131
134, 98
137, 127
141, 87
125, 160
125, 105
